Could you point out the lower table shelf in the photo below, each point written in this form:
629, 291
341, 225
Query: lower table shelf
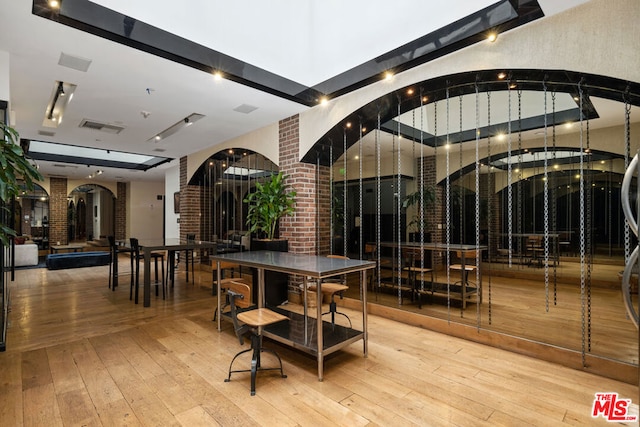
300, 332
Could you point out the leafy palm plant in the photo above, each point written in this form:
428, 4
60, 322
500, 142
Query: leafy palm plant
15, 172
270, 202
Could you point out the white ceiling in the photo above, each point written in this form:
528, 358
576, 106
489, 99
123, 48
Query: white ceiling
307, 42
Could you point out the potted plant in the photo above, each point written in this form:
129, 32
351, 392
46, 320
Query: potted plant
15, 171
427, 197
270, 202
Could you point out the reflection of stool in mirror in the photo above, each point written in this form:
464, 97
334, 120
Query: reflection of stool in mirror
470, 257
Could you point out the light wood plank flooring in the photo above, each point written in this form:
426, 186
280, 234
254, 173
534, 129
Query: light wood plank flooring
79, 354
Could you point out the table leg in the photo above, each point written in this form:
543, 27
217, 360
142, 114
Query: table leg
219, 310
115, 269
363, 292
319, 331
464, 284
147, 279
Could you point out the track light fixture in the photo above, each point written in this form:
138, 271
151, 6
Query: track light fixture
187, 121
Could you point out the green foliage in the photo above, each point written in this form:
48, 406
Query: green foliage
270, 202
15, 171
427, 197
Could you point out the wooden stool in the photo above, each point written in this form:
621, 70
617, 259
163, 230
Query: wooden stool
254, 320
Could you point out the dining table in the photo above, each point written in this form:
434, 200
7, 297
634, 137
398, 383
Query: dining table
167, 244
302, 331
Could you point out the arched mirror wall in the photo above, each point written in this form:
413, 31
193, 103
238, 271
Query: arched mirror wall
90, 214
225, 179
524, 167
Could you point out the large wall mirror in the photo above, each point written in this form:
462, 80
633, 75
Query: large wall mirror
519, 173
90, 214
225, 179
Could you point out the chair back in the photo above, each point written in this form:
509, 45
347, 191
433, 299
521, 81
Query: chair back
411, 256
239, 296
112, 241
191, 237
370, 250
135, 247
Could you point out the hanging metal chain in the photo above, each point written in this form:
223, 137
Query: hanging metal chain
589, 236
554, 211
509, 180
461, 198
490, 192
582, 229
398, 211
448, 214
344, 195
378, 189
627, 159
421, 209
477, 207
361, 212
331, 194
546, 205
519, 197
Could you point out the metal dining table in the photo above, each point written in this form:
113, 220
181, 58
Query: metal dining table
312, 336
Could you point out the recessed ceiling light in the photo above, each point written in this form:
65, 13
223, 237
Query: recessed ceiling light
492, 37
502, 76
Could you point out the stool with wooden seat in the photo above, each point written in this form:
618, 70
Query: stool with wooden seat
331, 289
136, 256
224, 282
253, 321
470, 257
414, 265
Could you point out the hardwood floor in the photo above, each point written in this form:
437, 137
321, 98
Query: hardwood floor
79, 354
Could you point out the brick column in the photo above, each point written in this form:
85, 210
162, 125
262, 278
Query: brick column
190, 207
304, 229
121, 211
58, 224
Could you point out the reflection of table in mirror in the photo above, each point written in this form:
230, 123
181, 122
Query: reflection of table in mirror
313, 336
449, 289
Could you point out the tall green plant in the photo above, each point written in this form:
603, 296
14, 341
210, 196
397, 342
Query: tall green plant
270, 202
427, 197
15, 169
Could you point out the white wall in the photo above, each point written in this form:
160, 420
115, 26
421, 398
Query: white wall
4, 77
145, 213
171, 185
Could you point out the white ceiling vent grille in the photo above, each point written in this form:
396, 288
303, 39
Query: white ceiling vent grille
102, 127
46, 133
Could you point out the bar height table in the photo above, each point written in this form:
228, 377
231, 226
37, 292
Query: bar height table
309, 267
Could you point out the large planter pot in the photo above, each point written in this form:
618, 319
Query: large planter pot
276, 284
279, 245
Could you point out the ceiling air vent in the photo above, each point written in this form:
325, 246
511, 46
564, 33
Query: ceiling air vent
46, 133
102, 127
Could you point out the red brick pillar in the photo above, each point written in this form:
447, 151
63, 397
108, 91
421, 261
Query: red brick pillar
58, 224
190, 206
121, 211
304, 229
308, 229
